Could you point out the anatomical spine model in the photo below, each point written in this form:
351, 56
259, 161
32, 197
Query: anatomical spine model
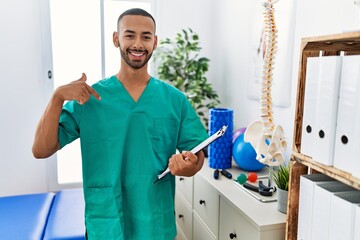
267, 138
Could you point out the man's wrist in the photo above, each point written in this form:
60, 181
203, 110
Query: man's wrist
57, 97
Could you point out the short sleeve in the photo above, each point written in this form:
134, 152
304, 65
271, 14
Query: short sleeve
192, 131
69, 123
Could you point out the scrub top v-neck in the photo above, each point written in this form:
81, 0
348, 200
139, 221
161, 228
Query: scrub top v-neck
124, 145
146, 94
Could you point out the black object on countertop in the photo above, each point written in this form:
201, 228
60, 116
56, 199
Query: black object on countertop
216, 174
262, 189
226, 174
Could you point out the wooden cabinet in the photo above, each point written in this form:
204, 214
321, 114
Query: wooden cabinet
331, 45
221, 210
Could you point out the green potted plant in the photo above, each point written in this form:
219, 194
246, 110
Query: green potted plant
180, 65
280, 176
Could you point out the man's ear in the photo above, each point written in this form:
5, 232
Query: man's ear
155, 42
116, 39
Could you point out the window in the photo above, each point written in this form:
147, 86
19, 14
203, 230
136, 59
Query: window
81, 32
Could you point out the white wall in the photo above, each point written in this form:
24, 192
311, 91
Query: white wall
224, 28
201, 16
22, 97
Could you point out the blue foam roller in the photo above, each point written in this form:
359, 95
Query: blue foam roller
220, 151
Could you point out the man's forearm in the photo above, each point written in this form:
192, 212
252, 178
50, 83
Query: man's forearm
46, 136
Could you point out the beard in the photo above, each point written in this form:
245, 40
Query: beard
135, 64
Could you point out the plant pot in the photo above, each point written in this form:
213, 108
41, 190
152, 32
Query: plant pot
282, 198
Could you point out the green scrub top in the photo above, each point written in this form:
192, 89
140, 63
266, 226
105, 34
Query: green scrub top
125, 145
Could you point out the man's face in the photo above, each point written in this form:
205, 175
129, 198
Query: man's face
136, 40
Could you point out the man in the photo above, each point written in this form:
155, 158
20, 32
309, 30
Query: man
130, 126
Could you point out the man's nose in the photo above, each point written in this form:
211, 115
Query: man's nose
138, 43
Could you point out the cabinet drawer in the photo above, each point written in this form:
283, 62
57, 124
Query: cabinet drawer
233, 225
183, 214
185, 186
201, 232
206, 203
180, 234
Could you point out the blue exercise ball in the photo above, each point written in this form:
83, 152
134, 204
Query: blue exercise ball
245, 156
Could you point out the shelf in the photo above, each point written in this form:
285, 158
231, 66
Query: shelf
338, 42
330, 45
332, 172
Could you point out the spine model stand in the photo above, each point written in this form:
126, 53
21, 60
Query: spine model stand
267, 138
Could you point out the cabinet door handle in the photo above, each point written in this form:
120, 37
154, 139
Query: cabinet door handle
181, 179
181, 216
232, 235
202, 202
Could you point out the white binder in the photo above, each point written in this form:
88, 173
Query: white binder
357, 223
342, 215
310, 100
307, 183
322, 206
347, 142
326, 109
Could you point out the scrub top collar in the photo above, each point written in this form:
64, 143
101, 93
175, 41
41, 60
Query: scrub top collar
146, 95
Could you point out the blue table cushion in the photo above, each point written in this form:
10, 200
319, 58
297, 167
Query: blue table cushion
66, 219
24, 216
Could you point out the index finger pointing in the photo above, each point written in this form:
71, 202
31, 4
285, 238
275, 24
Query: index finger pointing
94, 93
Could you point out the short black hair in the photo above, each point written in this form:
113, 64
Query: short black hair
135, 11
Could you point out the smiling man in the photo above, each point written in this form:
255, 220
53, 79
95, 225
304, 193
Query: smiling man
130, 126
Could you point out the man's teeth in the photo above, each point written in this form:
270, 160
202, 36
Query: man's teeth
137, 54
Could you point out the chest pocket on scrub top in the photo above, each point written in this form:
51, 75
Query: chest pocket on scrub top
164, 135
